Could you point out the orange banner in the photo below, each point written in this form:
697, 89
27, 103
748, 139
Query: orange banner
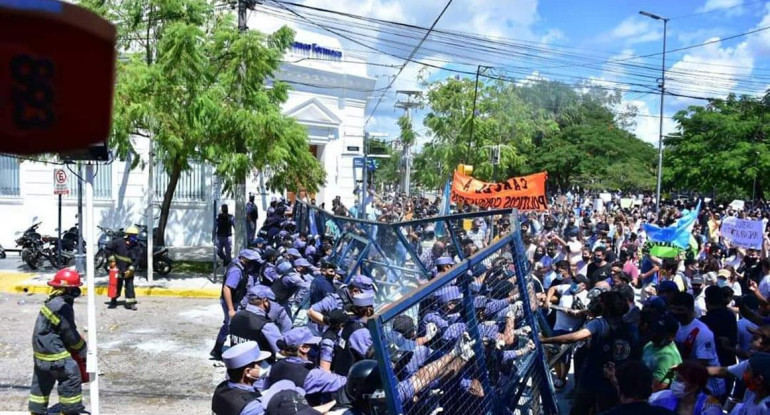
523, 193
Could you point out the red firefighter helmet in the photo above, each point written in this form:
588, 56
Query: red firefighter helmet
66, 278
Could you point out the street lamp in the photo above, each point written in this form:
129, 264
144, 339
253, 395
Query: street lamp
662, 95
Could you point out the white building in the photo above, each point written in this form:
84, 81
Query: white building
329, 94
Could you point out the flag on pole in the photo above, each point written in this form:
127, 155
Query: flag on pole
677, 234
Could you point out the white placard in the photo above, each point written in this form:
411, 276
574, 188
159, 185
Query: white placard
745, 233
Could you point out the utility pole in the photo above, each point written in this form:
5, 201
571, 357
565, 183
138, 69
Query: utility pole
365, 184
150, 218
473, 115
662, 95
407, 152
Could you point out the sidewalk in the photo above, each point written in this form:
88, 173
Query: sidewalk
173, 285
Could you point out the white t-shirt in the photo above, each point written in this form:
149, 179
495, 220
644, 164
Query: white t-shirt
703, 348
582, 267
744, 337
700, 304
575, 251
563, 320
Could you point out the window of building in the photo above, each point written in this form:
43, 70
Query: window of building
102, 182
9, 176
191, 186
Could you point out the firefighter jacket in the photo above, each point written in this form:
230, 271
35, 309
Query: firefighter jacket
55, 332
123, 254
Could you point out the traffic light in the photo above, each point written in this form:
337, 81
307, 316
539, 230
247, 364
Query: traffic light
465, 169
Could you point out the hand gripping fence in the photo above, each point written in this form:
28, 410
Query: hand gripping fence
459, 338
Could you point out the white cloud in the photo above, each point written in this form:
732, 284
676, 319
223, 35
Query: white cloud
532, 79
732, 6
553, 35
648, 124
635, 29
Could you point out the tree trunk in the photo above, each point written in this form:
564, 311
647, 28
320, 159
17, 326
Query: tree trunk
165, 207
239, 195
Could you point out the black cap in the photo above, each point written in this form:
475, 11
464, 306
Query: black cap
403, 324
289, 402
667, 324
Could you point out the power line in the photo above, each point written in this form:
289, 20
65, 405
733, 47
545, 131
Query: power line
717, 10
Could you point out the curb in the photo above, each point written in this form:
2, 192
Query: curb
18, 283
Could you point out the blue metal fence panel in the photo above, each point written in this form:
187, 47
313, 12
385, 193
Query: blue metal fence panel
474, 348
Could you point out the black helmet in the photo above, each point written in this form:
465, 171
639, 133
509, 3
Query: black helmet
363, 380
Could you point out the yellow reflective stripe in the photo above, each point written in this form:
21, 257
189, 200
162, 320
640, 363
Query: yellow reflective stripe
53, 318
79, 345
70, 400
52, 357
38, 399
123, 258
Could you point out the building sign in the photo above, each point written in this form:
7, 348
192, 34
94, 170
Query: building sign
353, 148
312, 49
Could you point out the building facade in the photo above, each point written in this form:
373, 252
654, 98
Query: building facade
329, 94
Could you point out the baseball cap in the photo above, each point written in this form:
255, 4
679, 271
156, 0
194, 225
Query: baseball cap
667, 324
293, 252
302, 262
298, 336
243, 354
250, 255
261, 291
723, 273
365, 299
362, 282
667, 286
284, 267
697, 280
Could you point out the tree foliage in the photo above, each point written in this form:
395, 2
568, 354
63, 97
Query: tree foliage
204, 92
577, 134
721, 147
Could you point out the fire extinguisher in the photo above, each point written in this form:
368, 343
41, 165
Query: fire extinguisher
112, 284
81, 362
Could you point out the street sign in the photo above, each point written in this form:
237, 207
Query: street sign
216, 188
61, 185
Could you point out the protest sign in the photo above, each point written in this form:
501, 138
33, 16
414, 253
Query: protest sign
745, 233
523, 193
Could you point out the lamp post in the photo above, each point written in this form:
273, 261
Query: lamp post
662, 95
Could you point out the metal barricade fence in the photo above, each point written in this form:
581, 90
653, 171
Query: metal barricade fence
450, 338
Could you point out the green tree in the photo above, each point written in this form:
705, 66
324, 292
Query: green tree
203, 92
720, 147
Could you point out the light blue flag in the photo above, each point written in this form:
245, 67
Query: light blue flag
678, 233
444, 208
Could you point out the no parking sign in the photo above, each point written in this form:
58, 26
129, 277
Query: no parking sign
61, 184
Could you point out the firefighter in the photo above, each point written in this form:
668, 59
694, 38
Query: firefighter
54, 339
123, 254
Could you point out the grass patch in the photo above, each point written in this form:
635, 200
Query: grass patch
192, 267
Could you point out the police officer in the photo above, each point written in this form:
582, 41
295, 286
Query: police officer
252, 214
342, 298
287, 285
124, 254
336, 319
355, 339
237, 394
301, 350
225, 224
233, 290
54, 339
254, 324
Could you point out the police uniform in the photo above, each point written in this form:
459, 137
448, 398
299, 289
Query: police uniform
232, 398
126, 255
55, 336
254, 324
304, 373
340, 299
225, 224
355, 339
236, 279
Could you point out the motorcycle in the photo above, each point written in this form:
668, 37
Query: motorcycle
69, 247
100, 259
32, 246
161, 262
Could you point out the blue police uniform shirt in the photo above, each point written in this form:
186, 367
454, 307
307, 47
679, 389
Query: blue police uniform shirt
420, 354
327, 349
319, 380
254, 407
279, 316
328, 304
361, 339
233, 277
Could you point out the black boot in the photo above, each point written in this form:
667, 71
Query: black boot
216, 352
113, 303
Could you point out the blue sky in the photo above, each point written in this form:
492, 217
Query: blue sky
594, 41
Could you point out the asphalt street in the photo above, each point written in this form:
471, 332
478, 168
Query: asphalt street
151, 361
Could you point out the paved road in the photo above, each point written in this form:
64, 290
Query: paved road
154, 360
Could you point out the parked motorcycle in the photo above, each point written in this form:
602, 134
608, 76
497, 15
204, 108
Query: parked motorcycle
31, 244
161, 262
100, 259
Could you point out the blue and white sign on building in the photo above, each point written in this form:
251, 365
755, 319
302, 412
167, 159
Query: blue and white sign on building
314, 50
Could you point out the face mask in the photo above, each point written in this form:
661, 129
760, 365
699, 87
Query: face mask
313, 354
133, 239
538, 255
574, 287
678, 389
598, 259
586, 258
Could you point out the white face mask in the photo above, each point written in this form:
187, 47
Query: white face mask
678, 389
